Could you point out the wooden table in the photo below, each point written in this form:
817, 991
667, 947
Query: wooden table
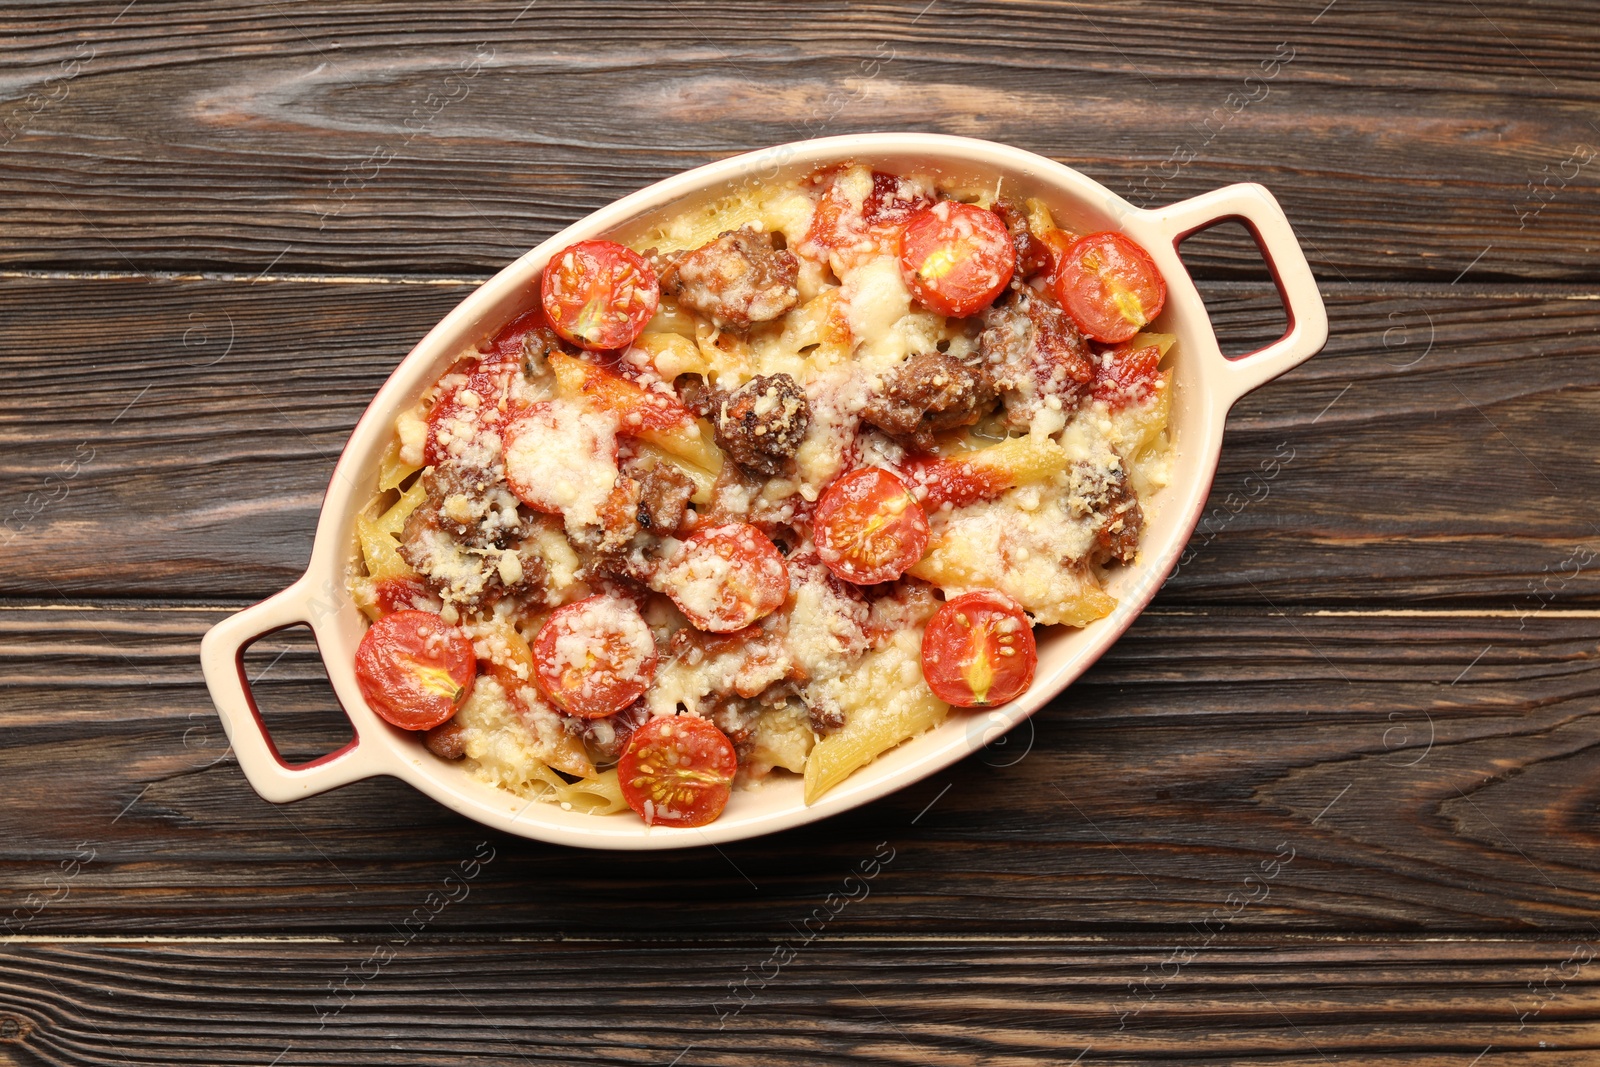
1333, 798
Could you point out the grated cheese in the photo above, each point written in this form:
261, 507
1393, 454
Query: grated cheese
831, 646
564, 454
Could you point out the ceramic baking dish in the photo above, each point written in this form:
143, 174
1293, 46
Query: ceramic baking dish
1206, 385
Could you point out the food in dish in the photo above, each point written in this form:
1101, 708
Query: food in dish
763, 487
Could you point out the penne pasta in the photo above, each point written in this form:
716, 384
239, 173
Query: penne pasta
766, 486
982, 474
379, 537
885, 701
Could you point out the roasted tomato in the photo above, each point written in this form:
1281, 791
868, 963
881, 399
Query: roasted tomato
390, 595
599, 294
869, 528
1126, 375
511, 661
1110, 286
639, 410
414, 669
677, 771
849, 228
472, 406
956, 258
595, 657
726, 577
978, 650
892, 201
528, 330
955, 480
555, 460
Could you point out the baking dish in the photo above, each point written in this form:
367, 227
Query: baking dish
1206, 385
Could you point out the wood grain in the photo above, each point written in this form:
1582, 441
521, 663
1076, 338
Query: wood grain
177, 440
1334, 799
1009, 1003
1436, 772
428, 141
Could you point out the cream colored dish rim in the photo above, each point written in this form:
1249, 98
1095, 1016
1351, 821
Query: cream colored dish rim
1206, 387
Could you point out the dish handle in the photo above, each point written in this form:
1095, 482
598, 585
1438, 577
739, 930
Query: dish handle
1258, 210
222, 658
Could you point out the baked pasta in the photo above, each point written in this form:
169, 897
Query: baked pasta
763, 488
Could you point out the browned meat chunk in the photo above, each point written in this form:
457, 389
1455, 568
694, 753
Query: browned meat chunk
740, 278
447, 740
645, 499
466, 563
735, 716
609, 545
474, 505
733, 496
1033, 351
822, 712
761, 423
1108, 497
738, 496
696, 395
927, 393
1032, 255
664, 493
537, 344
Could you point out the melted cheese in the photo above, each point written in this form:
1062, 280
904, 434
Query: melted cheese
877, 300
504, 742
857, 321
563, 453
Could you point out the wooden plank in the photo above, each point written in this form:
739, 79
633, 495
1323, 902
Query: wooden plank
424, 139
1289, 819
1312, 771
176, 440
1269, 1001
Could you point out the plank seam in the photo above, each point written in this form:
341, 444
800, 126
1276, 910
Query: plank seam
1155, 934
1532, 289
1231, 610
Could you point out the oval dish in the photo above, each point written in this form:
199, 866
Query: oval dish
1206, 385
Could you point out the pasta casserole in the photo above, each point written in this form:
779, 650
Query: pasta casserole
763, 487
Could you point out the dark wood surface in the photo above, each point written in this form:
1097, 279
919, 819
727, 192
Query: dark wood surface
1336, 797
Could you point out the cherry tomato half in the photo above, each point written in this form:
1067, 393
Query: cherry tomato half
639, 410
726, 577
472, 406
978, 650
1125, 375
847, 230
678, 771
956, 258
892, 201
595, 657
599, 294
390, 595
530, 327
869, 528
555, 461
1110, 286
414, 669
955, 480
